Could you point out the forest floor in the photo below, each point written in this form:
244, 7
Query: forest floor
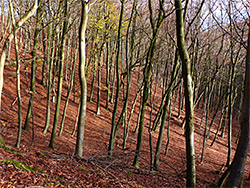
37, 165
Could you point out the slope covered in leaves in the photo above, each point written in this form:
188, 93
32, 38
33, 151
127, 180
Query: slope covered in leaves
38, 165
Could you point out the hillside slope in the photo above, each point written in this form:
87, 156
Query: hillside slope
39, 165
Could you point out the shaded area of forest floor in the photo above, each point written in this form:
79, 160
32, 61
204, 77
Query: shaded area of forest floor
39, 165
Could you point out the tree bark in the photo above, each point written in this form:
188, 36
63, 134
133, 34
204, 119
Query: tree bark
235, 171
114, 128
7, 43
188, 90
18, 86
83, 83
33, 71
60, 76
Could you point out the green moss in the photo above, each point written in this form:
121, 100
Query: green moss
50, 184
38, 153
2, 145
129, 174
81, 168
21, 166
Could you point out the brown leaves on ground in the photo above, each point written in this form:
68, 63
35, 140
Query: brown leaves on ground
59, 168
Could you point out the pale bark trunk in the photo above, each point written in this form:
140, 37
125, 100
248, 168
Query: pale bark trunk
83, 103
7, 43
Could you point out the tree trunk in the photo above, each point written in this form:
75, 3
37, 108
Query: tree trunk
99, 75
165, 109
83, 83
235, 171
114, 128
60, 75
7, 43
17, 79
71, 81
50, 62
107, 75
147, 75
188, 90
33, 71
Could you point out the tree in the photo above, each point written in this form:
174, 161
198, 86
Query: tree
114, 128
188, 90
33, 70
60, 75
83, 83
8, 40
155, 25
235, 171
18, 78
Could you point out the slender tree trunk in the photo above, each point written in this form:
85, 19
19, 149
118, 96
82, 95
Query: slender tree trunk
129, 62
188, 89
133, 106
230, 115
235, 171
7, 43
71, 81
107, 75
45, 60
219, 126
17, 79
83, 82
140, 109
164, 113
216, 111
168, 133
94, 75
67, 58
209, 93
147, 74
113, 71
50, 62
99, 80
33, 71
114, 128
60, 75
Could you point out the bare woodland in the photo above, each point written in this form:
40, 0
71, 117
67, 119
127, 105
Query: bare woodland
124, 93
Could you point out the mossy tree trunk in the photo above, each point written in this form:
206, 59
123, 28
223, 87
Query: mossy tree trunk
188, 90
169, 92
155, 26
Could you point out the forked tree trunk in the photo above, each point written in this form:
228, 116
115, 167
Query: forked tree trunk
7, 43
155, 26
